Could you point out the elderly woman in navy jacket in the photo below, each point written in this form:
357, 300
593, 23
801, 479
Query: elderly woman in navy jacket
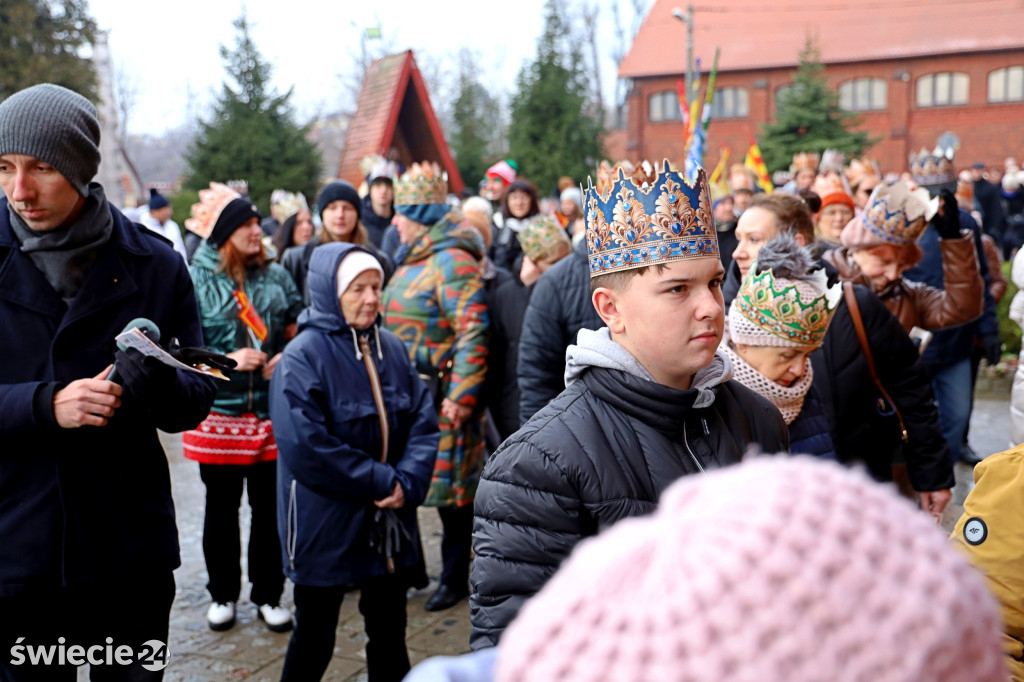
357, 437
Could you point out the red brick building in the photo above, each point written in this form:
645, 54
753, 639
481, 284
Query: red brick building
913, 69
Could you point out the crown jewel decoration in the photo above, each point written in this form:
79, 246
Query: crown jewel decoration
423, 183
932, 168
782, 310
897, 214
641, 221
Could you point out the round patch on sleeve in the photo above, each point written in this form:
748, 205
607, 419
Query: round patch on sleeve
975, 531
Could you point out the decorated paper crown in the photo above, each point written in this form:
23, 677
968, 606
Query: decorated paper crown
861, 168
832, 160
662, 219
804, 161
791, 312
540, 235
607, 174
376, 166
290, 203
898, 215
423, 183
211, 202
241, 186
932, 168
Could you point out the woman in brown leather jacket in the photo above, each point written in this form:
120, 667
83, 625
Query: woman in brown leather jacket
880, 244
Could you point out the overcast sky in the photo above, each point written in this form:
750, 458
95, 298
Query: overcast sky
170, 50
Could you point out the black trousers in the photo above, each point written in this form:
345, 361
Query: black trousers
382, 603
456, 545
222, 543
108, 615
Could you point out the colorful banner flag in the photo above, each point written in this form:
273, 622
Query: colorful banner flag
710, 97
718, 175
695, 154
248, 315
755, 161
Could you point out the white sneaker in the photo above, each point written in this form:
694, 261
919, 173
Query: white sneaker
221, 616
277, 618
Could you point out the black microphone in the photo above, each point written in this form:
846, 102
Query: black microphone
148, 329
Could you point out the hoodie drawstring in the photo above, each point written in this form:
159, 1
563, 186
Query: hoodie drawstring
355, 342
376, 335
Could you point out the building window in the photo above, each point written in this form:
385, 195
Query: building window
730, 103
942, 89
663, 106
862, 94
1006, 85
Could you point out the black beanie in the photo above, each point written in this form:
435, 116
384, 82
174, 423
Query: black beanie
335, 191
157, 200
233, 216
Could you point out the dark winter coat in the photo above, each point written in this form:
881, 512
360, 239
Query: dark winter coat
296, 261
954, 344
329, 439
603, 450
507, 300
375, 224
860, 433
810, 433
559, 307
93, 503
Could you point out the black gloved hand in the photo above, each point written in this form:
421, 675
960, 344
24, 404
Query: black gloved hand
947, 222
993, 347
142, 376
193, 356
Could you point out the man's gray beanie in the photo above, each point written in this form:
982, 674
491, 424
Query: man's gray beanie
55, 125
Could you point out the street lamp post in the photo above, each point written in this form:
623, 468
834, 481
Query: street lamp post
687, 19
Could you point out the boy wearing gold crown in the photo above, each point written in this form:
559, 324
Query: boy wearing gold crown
648, 398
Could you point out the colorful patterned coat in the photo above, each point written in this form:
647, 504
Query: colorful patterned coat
435, 304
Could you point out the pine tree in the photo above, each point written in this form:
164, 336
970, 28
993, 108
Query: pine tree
251, 135
41, 41
552, 132
475, 117
808, 117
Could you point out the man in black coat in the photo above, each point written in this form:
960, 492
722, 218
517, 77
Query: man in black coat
88, 540
648, 399
559, 308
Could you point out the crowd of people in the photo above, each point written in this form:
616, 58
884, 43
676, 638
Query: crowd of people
543, 368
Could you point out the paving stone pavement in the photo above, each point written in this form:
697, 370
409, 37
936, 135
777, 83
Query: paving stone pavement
250, 652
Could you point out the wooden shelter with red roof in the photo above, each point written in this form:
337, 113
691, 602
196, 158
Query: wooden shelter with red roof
913, 69
394, 112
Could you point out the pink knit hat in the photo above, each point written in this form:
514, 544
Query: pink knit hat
777, 570
502, 170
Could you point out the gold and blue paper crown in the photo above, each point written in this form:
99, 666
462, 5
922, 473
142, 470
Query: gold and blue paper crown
898, 215
932, 168
792, 312
638, 221
422, 183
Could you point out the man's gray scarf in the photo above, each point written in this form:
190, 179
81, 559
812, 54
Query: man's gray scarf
65, 254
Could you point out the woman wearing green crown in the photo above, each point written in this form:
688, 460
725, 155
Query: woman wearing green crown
436, 304
778, 318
